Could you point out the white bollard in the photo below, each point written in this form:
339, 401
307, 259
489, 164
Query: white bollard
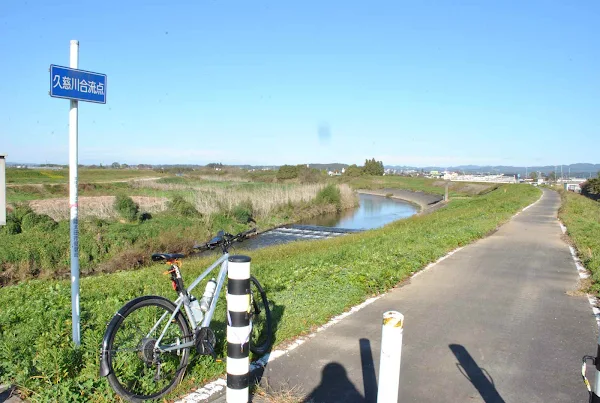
239, 327
391, 354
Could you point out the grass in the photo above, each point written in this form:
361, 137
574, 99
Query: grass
417, 184
307, 282
37, 176
581, 216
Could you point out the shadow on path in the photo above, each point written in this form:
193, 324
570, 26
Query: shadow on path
479, 377
368, 370
334, 387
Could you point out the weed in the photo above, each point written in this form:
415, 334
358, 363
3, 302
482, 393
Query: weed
126, 207
330, 194
181, 207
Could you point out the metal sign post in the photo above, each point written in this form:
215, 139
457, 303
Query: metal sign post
74, 232
76, 85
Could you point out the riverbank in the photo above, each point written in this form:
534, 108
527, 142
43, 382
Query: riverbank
426, 202
35, 243
307, 283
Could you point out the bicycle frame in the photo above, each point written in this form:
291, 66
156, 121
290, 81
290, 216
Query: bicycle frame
184, 300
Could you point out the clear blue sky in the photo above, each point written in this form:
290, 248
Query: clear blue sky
271, 82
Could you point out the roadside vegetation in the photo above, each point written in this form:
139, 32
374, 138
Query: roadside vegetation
308, 283
581, 216
120, 232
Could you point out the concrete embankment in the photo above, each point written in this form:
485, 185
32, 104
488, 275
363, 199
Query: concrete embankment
426, 201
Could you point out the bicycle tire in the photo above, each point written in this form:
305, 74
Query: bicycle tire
132, 378
262, 326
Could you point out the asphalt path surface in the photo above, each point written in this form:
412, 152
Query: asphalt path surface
495, 322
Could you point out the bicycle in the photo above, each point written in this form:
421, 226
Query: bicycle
147, 364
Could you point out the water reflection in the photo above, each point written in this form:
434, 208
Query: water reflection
373, 212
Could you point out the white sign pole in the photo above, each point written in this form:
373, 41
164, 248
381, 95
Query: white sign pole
73, 161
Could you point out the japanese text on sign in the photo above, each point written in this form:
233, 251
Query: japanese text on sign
77, 84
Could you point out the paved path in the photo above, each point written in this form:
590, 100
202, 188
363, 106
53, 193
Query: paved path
492, 323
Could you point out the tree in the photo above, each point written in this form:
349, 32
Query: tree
353, 171
115, 165
287, 172
533, 175
373, 167
552, 176
591, 187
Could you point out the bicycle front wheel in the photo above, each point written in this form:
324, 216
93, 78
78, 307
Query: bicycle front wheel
262, 328
139, 368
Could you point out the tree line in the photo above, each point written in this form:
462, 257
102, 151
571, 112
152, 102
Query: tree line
307, 174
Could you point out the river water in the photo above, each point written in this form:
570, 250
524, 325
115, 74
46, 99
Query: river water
372, 212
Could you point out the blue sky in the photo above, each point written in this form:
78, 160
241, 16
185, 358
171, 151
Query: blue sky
272, 82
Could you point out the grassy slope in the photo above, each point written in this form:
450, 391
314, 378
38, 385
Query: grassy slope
582, 218
417, 184
308, 282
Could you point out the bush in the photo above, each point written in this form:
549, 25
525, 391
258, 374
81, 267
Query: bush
20, 211
309, 175
330, 194
591, 188
182, 207
13, 226
287, 172
40, 221
243, 212
126, 207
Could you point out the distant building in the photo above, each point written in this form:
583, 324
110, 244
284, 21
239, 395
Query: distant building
572, 186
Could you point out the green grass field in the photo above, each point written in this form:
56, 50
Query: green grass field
308, 282
41, 176
581, 216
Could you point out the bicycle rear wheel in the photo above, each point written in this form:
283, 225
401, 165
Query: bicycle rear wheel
262, 328
138, 369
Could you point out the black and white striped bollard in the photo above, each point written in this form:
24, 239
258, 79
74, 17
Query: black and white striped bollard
239, 327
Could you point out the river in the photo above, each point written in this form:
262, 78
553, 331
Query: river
372, 212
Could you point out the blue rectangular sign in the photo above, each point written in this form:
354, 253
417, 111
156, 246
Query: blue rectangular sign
77, 84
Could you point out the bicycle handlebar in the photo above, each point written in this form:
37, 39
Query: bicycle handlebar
224, 239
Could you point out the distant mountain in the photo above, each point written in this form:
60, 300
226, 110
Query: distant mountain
579, 169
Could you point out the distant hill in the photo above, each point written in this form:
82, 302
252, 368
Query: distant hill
579, 169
